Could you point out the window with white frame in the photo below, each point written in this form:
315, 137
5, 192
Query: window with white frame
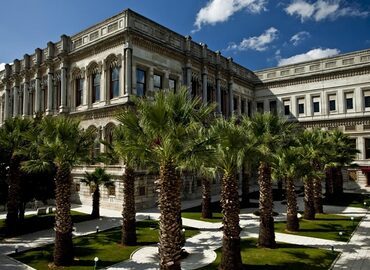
316, 104
332, 103
349, 101
286, 107
301, 106
367, 99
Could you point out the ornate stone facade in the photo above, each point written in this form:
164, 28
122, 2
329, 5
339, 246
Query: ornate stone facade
95, 72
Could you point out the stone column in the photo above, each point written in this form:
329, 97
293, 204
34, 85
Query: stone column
239, 105
218, 94
166, 78
150, 81
38, 95
205, 85
128, 69
49, 105
358, 100
63, 91
231, 97
309, 109
25, 98
6, 105
341, 102
188, 77
15, 101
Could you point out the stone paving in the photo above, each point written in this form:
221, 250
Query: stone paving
355, 254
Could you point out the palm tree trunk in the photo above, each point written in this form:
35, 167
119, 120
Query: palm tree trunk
267, 231
96, 203
230, 256
13, 195
63, 250
129, 212
206, 198
170, 237
309, 205
338, 182
329, 183
292, 218
22, 209
318, 196
245, 187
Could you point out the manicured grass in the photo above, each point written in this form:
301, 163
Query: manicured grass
104, 245
324, 226
196, 213
284, 257
34, 223
349, 199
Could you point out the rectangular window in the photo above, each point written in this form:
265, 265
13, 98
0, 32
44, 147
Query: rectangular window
286, 107
114, 82
249, 108
301, 106
157, 82
332, 103
349, 101
367, 99
141, 82
142, 190
172, 84
243, 106
367, 148
260, 107
316, 104
235, 101
273, 107
79, 91
95, 88
112, 190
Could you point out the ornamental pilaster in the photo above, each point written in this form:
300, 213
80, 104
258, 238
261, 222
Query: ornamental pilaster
128, 68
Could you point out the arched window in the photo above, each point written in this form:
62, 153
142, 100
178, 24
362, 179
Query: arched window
95, 87
114, 82
79, 84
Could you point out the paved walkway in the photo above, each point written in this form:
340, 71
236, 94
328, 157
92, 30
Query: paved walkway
201, 247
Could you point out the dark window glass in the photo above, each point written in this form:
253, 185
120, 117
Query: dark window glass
273, 107
79, 91
316, 107
157, 82
352, 143
260, 107
242, 106
367, 102
58, 101
172, 84
349, 103
45, 98
367, 148
332, 105
301, 108
249, 108
114, 82
140, 83
235, 101
286, 110
95, 87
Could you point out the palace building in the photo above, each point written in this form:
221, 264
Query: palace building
94, 73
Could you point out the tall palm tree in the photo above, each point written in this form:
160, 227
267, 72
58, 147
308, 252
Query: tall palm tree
168, 127
14, 139
230, 153
270, 133
342, 153
61, 144
288, 166
95, 180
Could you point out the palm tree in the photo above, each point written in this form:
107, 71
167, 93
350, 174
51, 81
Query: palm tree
61, 144
14, 139
168, 127
270, 133
342, 153
230, 154
288, 166
95, 180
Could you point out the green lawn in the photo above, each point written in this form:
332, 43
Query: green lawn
284, 257
350, 199
325, 226
104, 245
196, 213
34, 223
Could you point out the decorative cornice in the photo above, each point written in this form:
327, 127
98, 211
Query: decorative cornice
347, 122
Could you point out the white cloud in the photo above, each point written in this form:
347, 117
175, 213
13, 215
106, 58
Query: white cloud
310, 55
2, 66
323, 9
221, 10
299, 37
258, 43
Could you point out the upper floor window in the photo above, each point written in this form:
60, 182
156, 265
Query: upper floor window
349, 101
286, 107
140, 82
235, 101
242, 109
367, 99
273, 107
332, 103
301, 106
260, 107
79, 91
95, 88
157, 82
114, 82
316, 104
249, 108
172, 84
367, 148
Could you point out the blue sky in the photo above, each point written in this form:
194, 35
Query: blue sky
256, 33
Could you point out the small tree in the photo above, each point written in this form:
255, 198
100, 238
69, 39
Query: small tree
94, 181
